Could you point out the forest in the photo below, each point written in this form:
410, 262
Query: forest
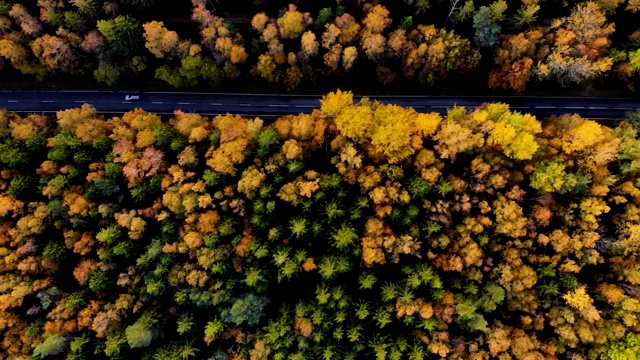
389, 46
358, 231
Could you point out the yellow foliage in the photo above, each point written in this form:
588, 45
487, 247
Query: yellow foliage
78, 204
453, 138
145, 138
23, 130
231, 127
509, 218
502, 134
9, 204
185, 123
392, 132
193, 239
207, 222
291, 150
523, 147
139, 119
227, 155
372, 252
250, 181
355, 122
303, 326
582, 136
334, 103
69, 119
427, 124
590, 208
291, 23
290, 192
307, 188
259, 21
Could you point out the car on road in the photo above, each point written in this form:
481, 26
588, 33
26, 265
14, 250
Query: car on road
132, 97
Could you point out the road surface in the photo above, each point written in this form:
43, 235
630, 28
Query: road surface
278, 105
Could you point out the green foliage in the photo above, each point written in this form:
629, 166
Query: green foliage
332, 210
626, 348
115, 341
54, 251
122, 33
53, 344
76, 300
634, 60
298, 227
444, 187
147, 189
192, 69
418, 187
212, 178
325, 16
332, 266
247, 309
185, 323
256, 279
98, 281
4, 7
19, 186
345, 236
109, 235
78, 343
266, 142
295, 166
12, 154
141, 333
407, 23
487, 27
367, 280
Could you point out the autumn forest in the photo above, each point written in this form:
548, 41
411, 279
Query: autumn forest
358, 231
417, 44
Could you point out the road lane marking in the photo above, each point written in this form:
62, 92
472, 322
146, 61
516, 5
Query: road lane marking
277, 105
12, 101
47, 101
545, 107
184, 103
521, 107
81, 101
305, 106
597, 107
244, 104
619, 108
157, 102
216, 104
574, 107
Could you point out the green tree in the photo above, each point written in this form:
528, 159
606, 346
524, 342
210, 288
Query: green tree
142, 332
247, 309
123, 34
486, 23
54, 344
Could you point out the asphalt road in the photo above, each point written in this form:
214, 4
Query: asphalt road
277, 105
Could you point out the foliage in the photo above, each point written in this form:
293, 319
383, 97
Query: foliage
356, 231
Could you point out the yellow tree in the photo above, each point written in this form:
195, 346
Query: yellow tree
580, 46
159, 40
291, 24
53, 52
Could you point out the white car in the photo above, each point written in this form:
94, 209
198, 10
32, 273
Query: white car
132, 97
